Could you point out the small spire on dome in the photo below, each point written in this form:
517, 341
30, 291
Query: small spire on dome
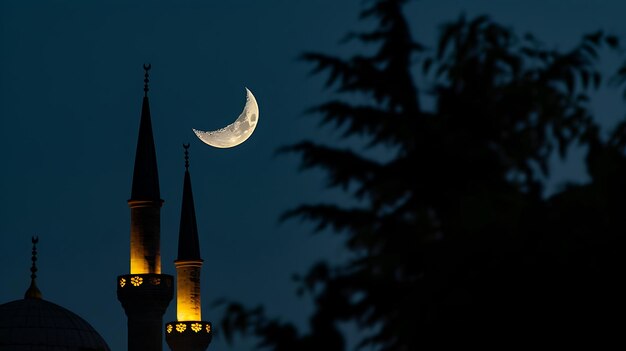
186, 147
146, 80
33, 291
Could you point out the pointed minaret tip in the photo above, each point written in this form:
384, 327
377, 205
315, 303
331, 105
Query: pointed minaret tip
33, 291
188, 243
145, 175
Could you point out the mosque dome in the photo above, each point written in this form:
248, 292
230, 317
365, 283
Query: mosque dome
38, 325
34, 324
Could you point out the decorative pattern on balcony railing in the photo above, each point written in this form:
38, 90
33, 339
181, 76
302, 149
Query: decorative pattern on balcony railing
143, 280
193, 327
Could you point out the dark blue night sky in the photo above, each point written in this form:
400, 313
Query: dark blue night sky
71, 84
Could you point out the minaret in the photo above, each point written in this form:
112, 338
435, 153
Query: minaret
145, 293
189, 332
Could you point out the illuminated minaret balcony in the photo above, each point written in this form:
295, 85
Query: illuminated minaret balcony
189, 332
145, 293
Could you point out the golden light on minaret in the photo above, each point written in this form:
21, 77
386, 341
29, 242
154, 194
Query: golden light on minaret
145, 253
188, 305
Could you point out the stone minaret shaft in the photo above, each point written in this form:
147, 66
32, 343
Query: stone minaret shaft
189, 333
145, 293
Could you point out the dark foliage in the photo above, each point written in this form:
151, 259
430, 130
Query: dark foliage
453, 235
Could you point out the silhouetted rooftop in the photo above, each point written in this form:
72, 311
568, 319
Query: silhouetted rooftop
39, 325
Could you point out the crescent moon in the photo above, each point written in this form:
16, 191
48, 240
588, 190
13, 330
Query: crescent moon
236, 132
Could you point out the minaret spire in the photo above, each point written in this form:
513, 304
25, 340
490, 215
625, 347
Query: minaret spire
189, 332
188, 244
145, 256
145, 293
33, 291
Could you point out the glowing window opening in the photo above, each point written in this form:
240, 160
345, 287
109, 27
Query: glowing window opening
136, 280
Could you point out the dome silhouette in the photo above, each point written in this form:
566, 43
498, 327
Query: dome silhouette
39, 325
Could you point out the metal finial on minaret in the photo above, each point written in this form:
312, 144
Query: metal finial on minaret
33, 291
186, 147
146, 79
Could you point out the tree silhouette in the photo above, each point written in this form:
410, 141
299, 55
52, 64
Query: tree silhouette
452, 233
